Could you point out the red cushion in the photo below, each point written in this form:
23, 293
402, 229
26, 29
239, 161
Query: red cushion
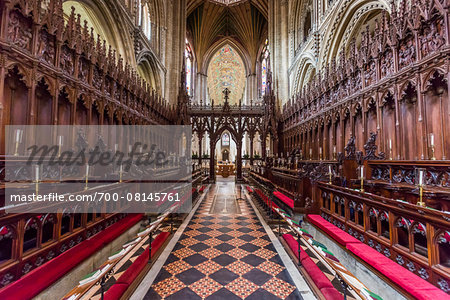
116, 291
138, 265
316, 274
249, 189
331, 293
285, 199
411, 283
342, 237
293, 245
42, 277
334, 232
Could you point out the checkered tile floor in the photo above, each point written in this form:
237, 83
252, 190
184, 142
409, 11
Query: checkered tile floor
223, 256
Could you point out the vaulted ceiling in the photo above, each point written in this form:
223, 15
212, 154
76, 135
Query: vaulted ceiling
243, 22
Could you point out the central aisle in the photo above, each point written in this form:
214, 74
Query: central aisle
224, 253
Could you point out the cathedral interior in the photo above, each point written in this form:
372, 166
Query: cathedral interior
314, 162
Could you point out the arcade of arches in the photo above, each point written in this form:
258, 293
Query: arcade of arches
316, 151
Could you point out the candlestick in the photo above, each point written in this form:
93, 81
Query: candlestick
37, 178
390, 150
60, 144
421, 203
329, 171
362, 179
18, 139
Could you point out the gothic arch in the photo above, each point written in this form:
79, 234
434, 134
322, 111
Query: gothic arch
148, 68
306, 69
217, 46
346, 18
106, 20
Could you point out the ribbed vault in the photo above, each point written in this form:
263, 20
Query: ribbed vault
210, 22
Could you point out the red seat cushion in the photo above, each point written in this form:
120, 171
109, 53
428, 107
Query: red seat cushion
116, 291
138, 265
411, 283
285, 199
334, 232
320, 280
293, 245
331, 293
249, 189
42, 277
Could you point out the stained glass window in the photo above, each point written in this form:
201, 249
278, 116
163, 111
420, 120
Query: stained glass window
264, 66
225, 139
226, 70
188, 55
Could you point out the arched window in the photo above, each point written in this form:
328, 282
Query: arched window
264, 68
146, 23
225, 139
189, 63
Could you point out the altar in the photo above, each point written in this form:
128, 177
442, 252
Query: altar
225, 169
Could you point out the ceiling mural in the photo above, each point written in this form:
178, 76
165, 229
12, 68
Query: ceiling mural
226, 70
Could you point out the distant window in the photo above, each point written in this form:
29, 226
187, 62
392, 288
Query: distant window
225, 139
189, 61
264, 68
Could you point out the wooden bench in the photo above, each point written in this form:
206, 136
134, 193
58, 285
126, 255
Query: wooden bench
401, 277
42, 277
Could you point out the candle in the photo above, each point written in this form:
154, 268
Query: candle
420, 177
310, 152
18, 134
390, 144
60, 140
362, 172
432, 139
36, 173
116, 147
334, 149
87, 170
320, 150
329, 169
129, 148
